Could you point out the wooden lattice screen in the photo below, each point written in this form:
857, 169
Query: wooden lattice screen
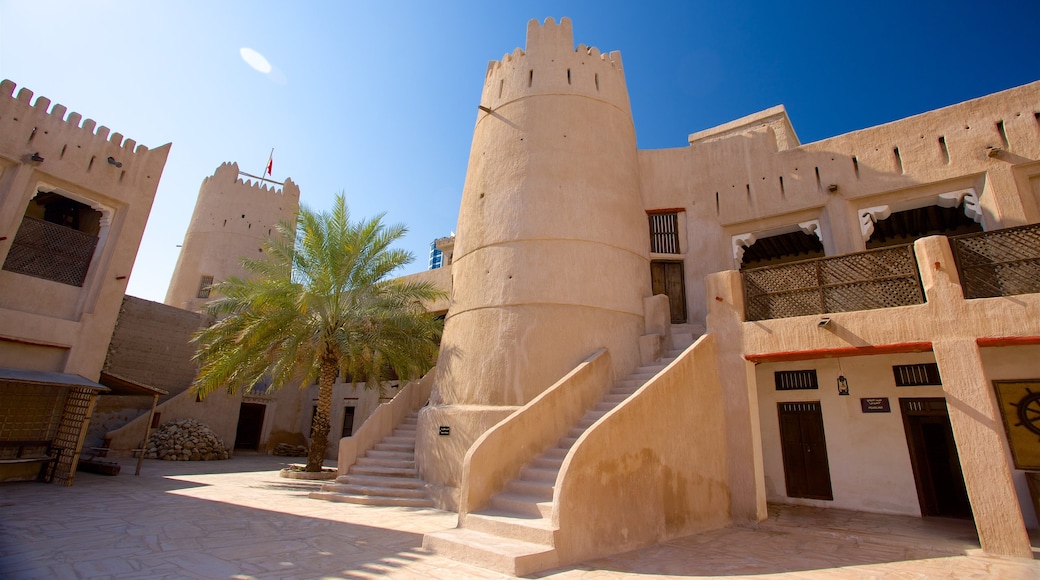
881, 278
79, 405
999, 263
51, 251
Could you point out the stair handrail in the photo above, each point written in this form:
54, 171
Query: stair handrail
498, 455
384, 420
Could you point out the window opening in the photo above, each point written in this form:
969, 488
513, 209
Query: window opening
56, 239
664, 233
796, 380
917, 375
204, 287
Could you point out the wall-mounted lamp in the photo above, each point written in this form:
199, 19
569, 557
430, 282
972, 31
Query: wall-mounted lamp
36, 158
824, 322
832, 187
112, 161
843, 385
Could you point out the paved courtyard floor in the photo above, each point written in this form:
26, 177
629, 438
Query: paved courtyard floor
238, 519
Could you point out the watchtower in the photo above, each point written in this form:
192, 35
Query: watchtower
551, 258
232, 218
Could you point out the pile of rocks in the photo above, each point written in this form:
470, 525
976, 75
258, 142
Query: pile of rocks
186, 440
286, 450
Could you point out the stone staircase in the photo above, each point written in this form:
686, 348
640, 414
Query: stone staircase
385, 475
514, 534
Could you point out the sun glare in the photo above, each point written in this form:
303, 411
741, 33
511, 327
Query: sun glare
255, 60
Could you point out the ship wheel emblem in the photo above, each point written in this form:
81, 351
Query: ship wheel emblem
1029, 411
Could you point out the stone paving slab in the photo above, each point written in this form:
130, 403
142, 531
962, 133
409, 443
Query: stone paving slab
238, 519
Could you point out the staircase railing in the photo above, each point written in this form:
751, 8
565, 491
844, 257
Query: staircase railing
499, 454
384, 420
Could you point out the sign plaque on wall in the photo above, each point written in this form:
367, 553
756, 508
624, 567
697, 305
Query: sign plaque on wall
875, 405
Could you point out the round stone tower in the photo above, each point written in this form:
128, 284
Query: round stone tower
231, 220
551, 257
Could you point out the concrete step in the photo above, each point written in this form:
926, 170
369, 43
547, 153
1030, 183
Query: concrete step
395, 463
575, 432
532, 473
381, 471
371, 499
409, 448
519, 506
377, 481
393, 440
506, 525
402, 455
496, 553
541, 490
419, 493
547, 462
567, 442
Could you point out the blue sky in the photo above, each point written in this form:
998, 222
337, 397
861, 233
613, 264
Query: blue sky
379, 99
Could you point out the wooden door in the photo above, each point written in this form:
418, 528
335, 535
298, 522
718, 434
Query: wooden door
806, 469
667, 278
933, 455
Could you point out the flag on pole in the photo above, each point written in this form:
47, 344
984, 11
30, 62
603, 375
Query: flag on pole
270, 164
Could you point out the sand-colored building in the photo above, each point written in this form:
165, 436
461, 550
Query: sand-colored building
851, 323
74, 199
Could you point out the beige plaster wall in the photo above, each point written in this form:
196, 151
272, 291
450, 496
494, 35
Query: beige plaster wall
653, 468
868, 453
364, 400
51, 315
219, 412
950, 326
728, 181
232, 218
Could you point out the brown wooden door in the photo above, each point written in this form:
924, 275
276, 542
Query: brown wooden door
667, 278
933, 455
806, 469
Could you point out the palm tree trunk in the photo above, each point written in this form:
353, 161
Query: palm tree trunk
320, 426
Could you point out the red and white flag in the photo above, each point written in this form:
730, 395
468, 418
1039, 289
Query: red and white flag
270, 163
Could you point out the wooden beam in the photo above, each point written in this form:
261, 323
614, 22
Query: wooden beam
1008, 341
842, 352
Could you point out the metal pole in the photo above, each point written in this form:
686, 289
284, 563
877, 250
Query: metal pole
264, 172
147, 432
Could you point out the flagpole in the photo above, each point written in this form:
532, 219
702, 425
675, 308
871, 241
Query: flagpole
264, 172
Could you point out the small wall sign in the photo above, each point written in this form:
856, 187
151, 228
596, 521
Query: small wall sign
444, 430
875, 405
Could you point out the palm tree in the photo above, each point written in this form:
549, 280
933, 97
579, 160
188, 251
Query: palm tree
320, 304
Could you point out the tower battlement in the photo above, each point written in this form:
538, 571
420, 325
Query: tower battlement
41, 110
229, 172
551, 65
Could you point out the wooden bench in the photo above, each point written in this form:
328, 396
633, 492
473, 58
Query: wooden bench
27, 452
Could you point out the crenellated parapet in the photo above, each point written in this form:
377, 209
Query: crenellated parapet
68, 146
229, 172
551, 65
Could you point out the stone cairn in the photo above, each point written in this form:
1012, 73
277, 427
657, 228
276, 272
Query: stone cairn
186, 440
286, 450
